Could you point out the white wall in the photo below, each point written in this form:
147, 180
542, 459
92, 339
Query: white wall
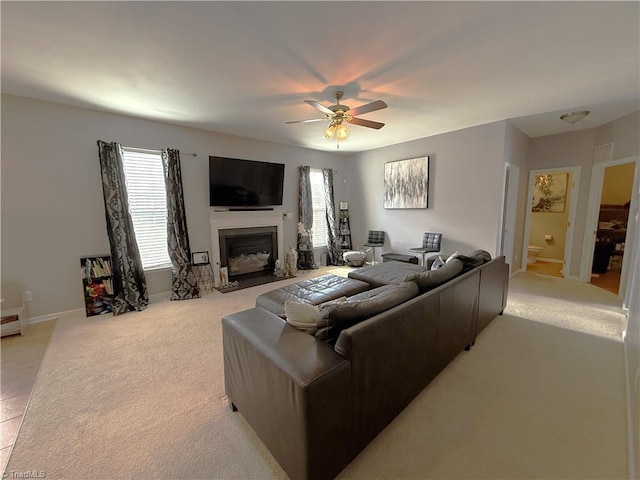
623, 133
52, 206
465, 180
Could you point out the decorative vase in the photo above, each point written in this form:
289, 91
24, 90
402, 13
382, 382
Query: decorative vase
291, 266
278, 270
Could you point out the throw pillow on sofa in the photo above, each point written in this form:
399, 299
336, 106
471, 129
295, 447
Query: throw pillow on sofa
335, 318
437, 264
303, 316
433, 278
452, 256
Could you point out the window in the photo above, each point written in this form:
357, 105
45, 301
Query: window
144, 175
319, 209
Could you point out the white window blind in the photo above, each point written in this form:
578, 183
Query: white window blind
319, 209
146, 191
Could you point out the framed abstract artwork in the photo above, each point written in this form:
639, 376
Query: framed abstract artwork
406, 183
550, 193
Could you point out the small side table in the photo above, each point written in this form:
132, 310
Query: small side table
204, 277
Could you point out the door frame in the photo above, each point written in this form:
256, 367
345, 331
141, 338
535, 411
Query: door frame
573, 207
508, 214
591, 224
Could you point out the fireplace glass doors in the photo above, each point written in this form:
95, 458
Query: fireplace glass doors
248, 252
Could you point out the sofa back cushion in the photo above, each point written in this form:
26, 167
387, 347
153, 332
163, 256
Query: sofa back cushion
477, 258
433, 278
335, 318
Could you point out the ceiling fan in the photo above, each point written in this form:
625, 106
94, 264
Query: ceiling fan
339, 115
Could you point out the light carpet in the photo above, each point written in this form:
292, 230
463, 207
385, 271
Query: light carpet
540, 395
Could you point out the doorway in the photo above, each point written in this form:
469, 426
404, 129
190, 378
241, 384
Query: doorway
610, 224
506, 239
550, 221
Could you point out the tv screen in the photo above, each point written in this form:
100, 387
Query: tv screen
244, 183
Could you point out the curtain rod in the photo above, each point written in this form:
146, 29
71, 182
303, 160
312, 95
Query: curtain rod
321, 168
155, 151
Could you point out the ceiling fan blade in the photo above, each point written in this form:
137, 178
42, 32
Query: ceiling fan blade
307, 121
366, 123
369, 107
320, 107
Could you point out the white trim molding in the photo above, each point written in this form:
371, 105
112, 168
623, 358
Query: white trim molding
242, 219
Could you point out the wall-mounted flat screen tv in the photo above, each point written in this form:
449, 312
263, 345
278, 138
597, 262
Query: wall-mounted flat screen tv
234, 182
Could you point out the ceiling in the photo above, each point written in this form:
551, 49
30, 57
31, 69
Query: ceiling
245, 68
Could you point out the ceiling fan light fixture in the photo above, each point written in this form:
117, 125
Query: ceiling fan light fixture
339, 115
574, 117
330, 131
342, 132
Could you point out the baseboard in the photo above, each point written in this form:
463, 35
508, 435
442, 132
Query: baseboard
54, 316
47, 318
550, 260
154, 298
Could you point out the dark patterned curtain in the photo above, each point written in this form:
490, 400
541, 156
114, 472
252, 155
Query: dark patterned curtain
334, 252
129, 283
183, 280
305, 221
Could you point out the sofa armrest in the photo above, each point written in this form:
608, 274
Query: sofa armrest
293, 390
494, 283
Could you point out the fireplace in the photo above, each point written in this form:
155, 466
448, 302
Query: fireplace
244, 220
248, 251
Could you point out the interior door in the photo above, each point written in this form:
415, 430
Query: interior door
592, 229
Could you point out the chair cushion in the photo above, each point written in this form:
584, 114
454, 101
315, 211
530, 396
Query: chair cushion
431, 241
375, 237
335, 318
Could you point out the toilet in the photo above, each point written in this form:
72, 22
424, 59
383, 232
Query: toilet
532, 253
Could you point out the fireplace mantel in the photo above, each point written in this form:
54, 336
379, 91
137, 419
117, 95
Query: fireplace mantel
244, 219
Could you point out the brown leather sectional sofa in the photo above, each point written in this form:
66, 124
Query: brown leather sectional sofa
315, 406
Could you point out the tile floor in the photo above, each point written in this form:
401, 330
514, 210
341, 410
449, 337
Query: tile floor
20, 358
